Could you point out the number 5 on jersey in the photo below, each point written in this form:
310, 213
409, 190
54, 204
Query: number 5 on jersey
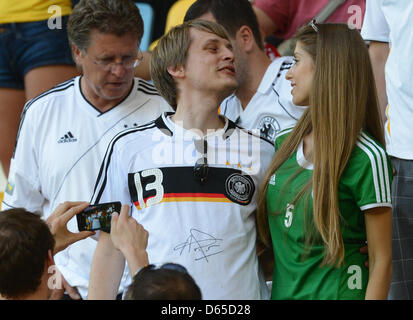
288, 220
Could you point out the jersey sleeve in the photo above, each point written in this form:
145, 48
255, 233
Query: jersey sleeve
375, 27
369, 175
23, 187
112, 182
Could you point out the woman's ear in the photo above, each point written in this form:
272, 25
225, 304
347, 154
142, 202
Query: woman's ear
176, 71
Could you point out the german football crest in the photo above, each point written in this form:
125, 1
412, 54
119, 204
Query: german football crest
239, 188
268, 127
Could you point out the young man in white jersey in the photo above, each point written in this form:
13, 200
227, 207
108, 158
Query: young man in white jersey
388, 25
64, 132
263, 98
191, 177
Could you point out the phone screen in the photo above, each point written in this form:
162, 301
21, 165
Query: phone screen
97, 217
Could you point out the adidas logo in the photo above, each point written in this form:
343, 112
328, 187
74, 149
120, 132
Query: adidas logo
68, 137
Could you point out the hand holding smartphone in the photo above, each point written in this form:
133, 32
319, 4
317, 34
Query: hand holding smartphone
97, 217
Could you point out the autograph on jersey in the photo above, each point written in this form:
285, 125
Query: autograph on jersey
201, 243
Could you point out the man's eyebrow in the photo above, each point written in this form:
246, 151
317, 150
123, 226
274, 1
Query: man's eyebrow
218, 40
111, 56
212, 40
104, 56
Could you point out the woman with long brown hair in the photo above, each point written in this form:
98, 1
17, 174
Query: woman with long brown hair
327, 190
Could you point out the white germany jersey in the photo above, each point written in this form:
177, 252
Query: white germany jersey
209, 228
61, 143
391, 21
271, 108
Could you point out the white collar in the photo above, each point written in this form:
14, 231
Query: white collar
301, 160
270, 74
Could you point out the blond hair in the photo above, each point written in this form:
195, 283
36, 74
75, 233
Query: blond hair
343, 101
172, 50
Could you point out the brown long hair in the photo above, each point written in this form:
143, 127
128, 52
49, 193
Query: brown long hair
343, 101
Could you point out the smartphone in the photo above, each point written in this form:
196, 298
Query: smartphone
97, 217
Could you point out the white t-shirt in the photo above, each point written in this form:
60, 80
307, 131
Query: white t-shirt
61, 142
271, 108
391, 21
208, 228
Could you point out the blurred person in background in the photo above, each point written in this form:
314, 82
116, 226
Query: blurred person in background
280, 19
34, 56
388, 25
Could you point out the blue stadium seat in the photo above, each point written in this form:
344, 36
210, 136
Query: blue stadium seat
147, 14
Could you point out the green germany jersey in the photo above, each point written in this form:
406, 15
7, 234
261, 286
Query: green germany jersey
365, 184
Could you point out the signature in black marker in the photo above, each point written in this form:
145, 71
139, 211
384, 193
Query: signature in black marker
202, 243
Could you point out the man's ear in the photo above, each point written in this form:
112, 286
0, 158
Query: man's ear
50, 259
245, 38
176, 71
76, 53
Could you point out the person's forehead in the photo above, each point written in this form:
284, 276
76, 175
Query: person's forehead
299, 50
201, 37
111, 43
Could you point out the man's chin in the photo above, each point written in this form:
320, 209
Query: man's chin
114, 94
114, 91
230, 88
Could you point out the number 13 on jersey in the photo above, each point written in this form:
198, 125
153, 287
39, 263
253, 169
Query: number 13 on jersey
149, 188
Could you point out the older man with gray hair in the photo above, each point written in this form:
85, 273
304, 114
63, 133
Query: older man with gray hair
65, 131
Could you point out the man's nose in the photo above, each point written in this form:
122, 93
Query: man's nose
228, 54
117, 69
